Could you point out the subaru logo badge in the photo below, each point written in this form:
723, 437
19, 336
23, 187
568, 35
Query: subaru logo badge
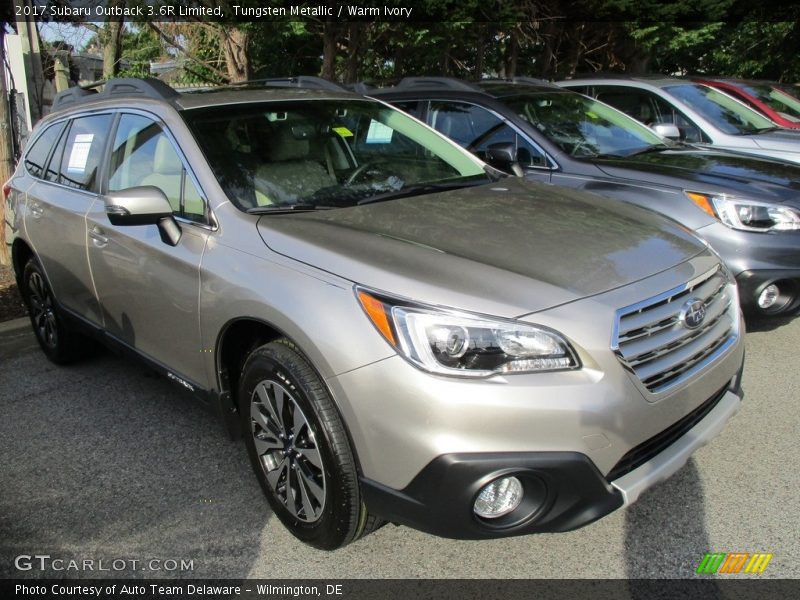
693, 313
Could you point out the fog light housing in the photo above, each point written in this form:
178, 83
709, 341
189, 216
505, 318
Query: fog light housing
498, 498
768, 297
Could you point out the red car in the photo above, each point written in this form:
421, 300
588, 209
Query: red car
763, 96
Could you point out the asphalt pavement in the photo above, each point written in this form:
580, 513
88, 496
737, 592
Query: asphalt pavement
104, 461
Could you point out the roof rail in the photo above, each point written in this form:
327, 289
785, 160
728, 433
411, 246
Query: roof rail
519, 80
450, 83
301, 81
531, 80
147, 87
71, 96
360, 87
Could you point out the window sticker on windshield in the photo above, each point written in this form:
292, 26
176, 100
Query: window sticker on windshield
344, 131
379, 133
79, 155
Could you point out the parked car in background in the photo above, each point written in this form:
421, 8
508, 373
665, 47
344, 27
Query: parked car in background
703, 115
747, 207
762, 96
399, 333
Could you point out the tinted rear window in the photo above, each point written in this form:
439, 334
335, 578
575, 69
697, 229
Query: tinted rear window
37, 155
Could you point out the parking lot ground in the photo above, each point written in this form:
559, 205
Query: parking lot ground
104, 461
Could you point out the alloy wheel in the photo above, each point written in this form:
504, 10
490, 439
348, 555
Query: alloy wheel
287, 450
42, 310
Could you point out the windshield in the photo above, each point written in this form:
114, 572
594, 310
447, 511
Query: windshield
581, 126
324, 153
725, 113
787, 106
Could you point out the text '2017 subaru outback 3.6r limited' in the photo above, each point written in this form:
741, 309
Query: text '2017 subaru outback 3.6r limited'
400, 335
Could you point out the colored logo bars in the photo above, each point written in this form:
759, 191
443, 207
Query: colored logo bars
734, 562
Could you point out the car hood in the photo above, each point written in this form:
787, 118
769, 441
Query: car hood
506, 249
712, 171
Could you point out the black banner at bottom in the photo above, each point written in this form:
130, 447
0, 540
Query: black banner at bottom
405, 589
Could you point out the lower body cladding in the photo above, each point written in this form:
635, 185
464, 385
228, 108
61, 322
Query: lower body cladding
553, 491
766, 266
769, 292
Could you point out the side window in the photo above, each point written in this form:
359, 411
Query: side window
463, 123
143, 155
528, 155
665, 113
83, 150
51, 173
412, 107
36, 157
632, 102
648, 109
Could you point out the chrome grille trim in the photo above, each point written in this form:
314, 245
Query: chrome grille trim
651, 340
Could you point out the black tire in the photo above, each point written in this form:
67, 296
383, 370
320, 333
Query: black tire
303, 461
61, 345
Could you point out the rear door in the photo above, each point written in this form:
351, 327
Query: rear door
57, 203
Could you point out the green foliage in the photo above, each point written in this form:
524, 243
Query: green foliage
474, 38
140, 46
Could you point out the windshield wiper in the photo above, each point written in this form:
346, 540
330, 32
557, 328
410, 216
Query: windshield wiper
286, 208
422, 188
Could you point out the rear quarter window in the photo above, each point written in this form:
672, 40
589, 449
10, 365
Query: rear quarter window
36, 157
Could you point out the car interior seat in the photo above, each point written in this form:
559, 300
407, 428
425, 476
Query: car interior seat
167, 175
291, 172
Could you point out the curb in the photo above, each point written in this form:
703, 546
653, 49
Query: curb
15, 325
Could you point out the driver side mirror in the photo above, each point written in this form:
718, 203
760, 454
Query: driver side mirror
667, 130
503, 156
143, 205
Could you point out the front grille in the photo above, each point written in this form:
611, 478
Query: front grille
652, 339
660, 442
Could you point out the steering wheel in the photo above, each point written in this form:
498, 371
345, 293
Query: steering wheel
361, 169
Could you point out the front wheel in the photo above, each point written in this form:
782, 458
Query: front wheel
299, 448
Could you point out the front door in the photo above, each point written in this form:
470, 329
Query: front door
149, 290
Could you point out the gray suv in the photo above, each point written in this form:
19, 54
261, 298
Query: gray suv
399, 333
746, 207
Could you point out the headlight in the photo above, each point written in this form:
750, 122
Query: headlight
747, 215
454, 343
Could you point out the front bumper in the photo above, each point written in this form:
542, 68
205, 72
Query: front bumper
562, 490
757, 260
426, 444
752, 283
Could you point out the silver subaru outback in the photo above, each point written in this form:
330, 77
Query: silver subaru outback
399, 333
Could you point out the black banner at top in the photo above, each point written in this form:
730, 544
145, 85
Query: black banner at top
254, 11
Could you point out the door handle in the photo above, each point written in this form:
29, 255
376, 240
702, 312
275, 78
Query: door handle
99, 240
36, 210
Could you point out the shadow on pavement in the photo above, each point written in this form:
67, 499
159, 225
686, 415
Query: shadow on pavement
104, 460
679, 538
768, 324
